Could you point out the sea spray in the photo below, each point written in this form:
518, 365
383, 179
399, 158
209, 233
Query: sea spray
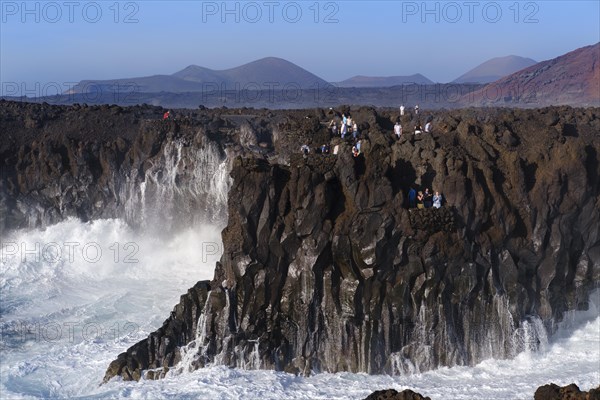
184, 185
96, 294
67, 309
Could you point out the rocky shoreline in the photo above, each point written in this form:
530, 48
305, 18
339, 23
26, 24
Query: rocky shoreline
324, 266
546, 392
569, 392
392, 394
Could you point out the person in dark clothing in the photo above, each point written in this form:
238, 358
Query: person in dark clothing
412, 198
427, 198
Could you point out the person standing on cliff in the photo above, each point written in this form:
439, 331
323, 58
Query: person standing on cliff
344, 130
398, 129
412, 198
402, 110
334, 128
428, 127
167, 115
417, 109
427, 198
437, 200
420, 200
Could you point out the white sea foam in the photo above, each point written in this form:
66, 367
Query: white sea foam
63, 322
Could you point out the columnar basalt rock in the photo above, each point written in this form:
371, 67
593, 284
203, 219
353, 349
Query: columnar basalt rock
325, 268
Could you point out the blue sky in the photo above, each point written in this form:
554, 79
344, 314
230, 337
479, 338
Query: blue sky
55, 43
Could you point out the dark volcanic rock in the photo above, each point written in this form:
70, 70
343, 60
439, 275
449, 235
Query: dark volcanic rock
324, 266
392, 394
569, 392
95, 162
165, 343
325, 269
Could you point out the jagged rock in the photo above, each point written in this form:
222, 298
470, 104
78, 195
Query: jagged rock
162, 349
90, 162
569, 392
392, 394
324, 267
327, 270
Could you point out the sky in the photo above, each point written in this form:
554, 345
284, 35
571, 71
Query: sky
46, 45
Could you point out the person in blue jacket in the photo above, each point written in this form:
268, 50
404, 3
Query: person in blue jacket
412, 198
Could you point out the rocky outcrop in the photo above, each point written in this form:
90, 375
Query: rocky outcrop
324, 266
546, 392
569, 392
392, 394
107, 161
326, 269
177, 331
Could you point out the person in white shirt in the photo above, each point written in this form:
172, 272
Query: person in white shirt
437, 200
398, 129
402, 109
344, 130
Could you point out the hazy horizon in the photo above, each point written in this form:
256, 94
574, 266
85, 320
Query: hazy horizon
42, 43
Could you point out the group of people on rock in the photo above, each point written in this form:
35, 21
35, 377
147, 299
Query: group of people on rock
355, 148
424, 199
326, 149
347, 126
402, 110
418, 129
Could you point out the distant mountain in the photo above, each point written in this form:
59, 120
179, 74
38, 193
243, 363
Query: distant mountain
361, 81
571, 79
494, 69
263, 74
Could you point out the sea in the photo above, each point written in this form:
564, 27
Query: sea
76, 294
